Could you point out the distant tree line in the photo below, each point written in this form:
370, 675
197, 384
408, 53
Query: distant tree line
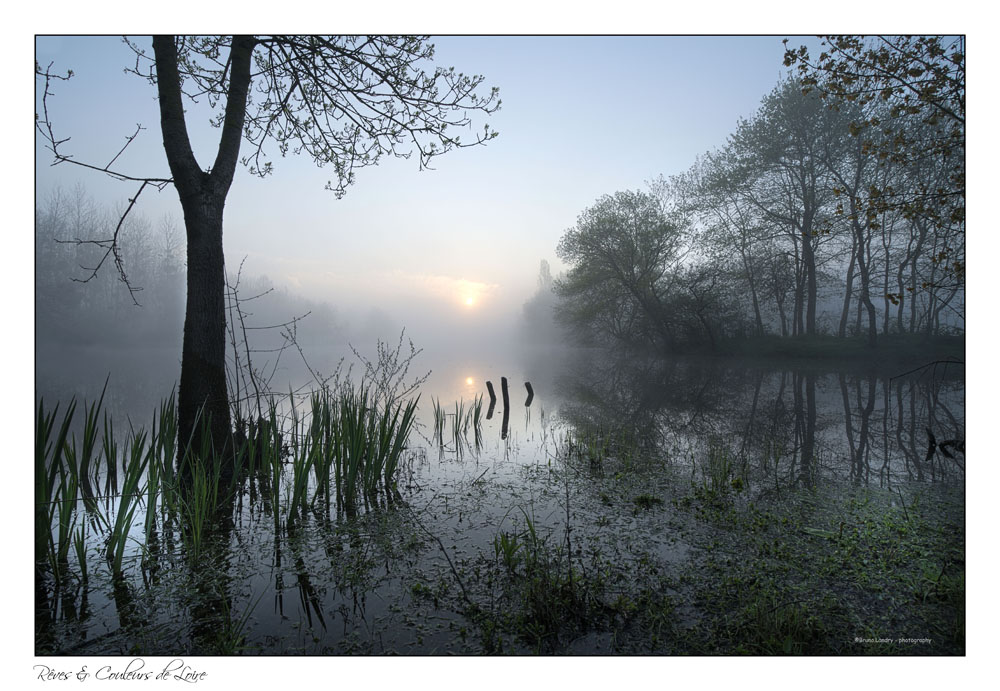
83, 315
74, 305
838, 208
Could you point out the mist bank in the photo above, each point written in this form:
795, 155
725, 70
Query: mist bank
92, 326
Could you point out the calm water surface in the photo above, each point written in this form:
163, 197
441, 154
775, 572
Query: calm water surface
600, 434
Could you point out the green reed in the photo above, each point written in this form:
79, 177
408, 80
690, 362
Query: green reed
164, 441
304, 452
439, 421
109, 452
477, 419
134, 469
361, 439
718, 470
64, 508
55, 491
459, 425
391, 433
349, 445
198, 505
198, 498
324, 437
353, 406
153, 476
270, 461
80, 547
89, 443
64, 477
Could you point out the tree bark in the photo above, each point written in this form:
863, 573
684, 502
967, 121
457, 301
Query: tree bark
203, 402
848, 290
865, 297
809, 261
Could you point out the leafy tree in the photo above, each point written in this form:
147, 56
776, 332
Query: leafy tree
851, 172
777, 158
921, 82
345, 101
732, 231
622, 254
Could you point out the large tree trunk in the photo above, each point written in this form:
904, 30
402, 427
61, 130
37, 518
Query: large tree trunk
203, 361
202, 395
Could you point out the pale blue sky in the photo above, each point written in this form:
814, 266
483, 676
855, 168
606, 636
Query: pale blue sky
581, 117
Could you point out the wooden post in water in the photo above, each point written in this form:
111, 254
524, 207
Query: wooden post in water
506, 407
531, 394
493, 399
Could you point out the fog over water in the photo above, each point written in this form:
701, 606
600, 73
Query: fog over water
403, 248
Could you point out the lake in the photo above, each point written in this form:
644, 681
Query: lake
636, 506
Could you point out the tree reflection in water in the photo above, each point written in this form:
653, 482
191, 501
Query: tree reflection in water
864, 426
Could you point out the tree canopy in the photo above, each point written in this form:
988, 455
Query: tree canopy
345, 101
909, 98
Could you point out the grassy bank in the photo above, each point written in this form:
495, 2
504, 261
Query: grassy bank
827, 570
828, 573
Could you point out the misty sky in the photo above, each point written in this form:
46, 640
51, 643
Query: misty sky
581, 117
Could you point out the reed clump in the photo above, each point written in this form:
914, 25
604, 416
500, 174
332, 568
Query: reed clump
344, 448
117, 495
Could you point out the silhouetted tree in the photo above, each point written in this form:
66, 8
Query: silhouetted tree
622, 253
346, 101
779, 153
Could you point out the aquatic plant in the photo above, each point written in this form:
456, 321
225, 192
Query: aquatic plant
199, 499
109, 452
477, 411
506, 548
304, 448
477, 420
718, 470
348, 436
135, 466
80, 547
393, 430
458, 424
647, 501
55, 491
89, 443
231, 639
544, 595
164, 442
439, 421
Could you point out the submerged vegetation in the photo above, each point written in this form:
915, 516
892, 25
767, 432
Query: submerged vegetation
603, 536
349, 439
